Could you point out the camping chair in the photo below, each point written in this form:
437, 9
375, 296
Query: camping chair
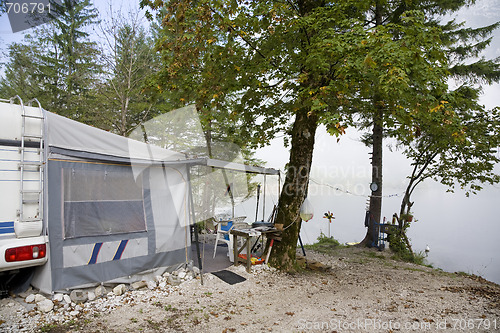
224, 235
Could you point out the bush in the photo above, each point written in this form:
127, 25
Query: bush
324, 244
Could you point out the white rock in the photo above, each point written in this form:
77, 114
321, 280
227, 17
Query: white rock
91, 296
46, 305
151, 285
119, 289
67, 299
58, 297
100, 291
57, 318
39, 298
30, 298
182, 275
139, 285
74, 313
166, 274
78, 296
162, 284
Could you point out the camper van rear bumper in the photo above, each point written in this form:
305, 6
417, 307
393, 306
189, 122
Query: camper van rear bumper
12, 243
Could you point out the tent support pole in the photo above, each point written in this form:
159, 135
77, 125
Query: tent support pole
191, 203
264, 201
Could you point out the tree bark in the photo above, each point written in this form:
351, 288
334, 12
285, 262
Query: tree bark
376, 197
294, 189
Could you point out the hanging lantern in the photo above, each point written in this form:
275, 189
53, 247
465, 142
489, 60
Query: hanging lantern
306, 210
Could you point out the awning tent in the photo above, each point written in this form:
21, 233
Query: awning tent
115, 208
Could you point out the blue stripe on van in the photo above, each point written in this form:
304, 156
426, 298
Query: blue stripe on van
6, 227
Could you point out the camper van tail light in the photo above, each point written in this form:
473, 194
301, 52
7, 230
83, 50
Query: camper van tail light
23, 253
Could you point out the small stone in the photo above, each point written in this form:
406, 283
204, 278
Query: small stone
100, 291
138, 285
67, 299
74, 313
174, 280
26, 293
39, 298
58, 297
190, 266
182, 275
45, 306
119, 289
30, 298
162, 284
78, 296
151, 285
91, 296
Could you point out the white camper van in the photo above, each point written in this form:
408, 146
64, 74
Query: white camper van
23, 239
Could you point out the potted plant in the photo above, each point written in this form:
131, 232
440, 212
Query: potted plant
408, 217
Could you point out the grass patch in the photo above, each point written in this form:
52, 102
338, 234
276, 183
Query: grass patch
51, 328
414, 258
324, 244
413, 269
58, 328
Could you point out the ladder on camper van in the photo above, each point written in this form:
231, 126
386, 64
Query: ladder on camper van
32, 137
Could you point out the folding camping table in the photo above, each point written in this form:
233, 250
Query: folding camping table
247, 234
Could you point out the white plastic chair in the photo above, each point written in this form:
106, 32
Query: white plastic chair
221, 233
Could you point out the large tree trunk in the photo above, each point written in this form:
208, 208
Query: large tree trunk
376, 197
294, 189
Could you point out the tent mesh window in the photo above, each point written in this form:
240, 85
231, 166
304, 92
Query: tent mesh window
102, 202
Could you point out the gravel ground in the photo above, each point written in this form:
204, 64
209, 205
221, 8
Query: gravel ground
361, 291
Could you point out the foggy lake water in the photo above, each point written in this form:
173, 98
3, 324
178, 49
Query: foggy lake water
462, 232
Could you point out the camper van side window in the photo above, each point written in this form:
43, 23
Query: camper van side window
102, 200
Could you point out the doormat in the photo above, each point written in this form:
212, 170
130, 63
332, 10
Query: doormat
229, 277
